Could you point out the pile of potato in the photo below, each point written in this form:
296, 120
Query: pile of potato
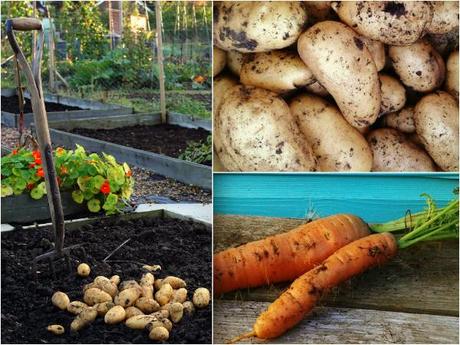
336, 86
150, 304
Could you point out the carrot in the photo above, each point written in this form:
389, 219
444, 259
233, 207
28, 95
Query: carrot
285, 256
301, 297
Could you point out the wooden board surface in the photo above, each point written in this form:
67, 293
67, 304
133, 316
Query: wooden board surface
421, 279
339, 325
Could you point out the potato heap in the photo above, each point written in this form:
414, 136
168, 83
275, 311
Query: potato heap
150, 304
336, 86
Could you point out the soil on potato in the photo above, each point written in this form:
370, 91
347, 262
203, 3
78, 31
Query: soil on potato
11, 105
182, 248
169, 140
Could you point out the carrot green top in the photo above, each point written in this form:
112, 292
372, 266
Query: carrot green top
432, 224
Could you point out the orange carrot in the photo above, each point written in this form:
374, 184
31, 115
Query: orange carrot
285, 256
303, 294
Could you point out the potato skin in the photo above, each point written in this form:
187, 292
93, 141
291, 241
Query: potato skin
258, 131
219, 59
452, 74
279, 71
336, 144
317, 89
393, 94
445, 17
390, 22
257, 26
418, 66
403, 120
436, 123
235, 61
201, 297
377, 50
342, 64
392, 151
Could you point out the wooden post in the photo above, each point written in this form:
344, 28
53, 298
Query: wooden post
160, 62
51, 63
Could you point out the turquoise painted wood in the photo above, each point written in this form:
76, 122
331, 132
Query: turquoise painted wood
374, 197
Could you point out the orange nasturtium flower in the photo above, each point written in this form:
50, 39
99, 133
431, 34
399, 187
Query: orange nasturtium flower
40, 172
105, 188
64, 170
59, 151
14, 152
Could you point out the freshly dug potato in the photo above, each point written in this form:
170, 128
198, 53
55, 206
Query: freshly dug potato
83, 319
201, 297
235, 61
317, 89
279, 71
162, 314
418, 66
175, 282
377, 50
445, 17
219, 59
60, 300
176, 311
83, 270
115, 315
106, 285
393, 94
56, 329
153, 324
436, 123
392, 151
257, 129
115, 279
180, 295
452, 74
95, 295
158, 282
165, 293
147, 279
129, 284
391, 22
341, 62
128, 297
152, 268
147, 305
167, 324
318, 11
132, 311
257, 26
336, 144
139, 321
147, 291
444, 43
75, 307
159, 334
189, 308
403, 120
103, 308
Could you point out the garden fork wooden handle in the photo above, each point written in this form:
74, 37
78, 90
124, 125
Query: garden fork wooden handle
40, 118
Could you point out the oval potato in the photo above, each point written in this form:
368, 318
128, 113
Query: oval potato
392, 151
337, 145
60, 300
164, 295
235, 61
436, 123
393, 94
103, 308
96, 295
219, 59
175, 282
180, 295
140, 321
75, 307
445, 17
83, 270
258, 132
418, 65
132, 311
201, 297
391, 22
147, 305
452, 74
128, 297
257, 26
377, 51
115, 315
176, 311
403, 120
342, 64
56, 329
159, 334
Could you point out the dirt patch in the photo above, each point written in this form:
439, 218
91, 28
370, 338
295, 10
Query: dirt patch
181, 248
11, 105
169, 140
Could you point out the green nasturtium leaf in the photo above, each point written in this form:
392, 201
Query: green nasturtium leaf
37, 193
94, 205
6, 190
82, 182
96, 183
77, 196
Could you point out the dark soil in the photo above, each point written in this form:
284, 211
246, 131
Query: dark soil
182, 249
169, 140
11, 105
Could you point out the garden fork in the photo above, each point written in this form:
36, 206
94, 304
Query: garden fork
44, 141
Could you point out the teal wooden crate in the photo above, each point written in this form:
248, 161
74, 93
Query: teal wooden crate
375, 197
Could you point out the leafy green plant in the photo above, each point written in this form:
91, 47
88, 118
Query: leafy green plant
198, 152
97, 180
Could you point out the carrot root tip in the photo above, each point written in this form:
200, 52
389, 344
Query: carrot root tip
241, 337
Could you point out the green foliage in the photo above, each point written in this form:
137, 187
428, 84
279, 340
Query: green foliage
187, 106
198, 152
94, 179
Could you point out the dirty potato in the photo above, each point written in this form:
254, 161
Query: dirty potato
95, 295
60, 300
452, 74
235, 61
189, 308
175, 282
445, 17
219, 59
393, 94
132, 311
103, 308
140, 321
159, 334
83, 270
165, 293
180, 295
75, 307
128, 297
56, 329
83, 319
403, 120
115, 315
106, 285
201, 297
176, 311
147, 305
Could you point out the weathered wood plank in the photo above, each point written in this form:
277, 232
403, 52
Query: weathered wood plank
423, 278
339, 326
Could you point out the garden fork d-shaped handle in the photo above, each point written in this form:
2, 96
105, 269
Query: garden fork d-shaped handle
40, 119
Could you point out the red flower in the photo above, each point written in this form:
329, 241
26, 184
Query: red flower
129, 173
32, 165
36, 154
14, 152
30, 186
40, 172
105, 188
64, 170
38, 160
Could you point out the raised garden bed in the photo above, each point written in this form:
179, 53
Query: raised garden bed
58, 108
181, 247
